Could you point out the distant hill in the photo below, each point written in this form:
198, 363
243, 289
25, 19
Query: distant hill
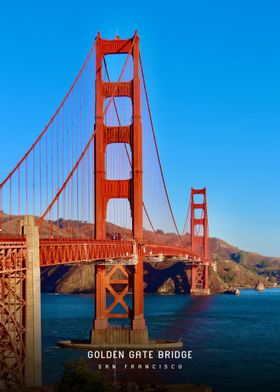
264, 265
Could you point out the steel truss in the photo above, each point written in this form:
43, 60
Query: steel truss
12, 312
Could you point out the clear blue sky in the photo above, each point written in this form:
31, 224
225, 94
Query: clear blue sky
212, 70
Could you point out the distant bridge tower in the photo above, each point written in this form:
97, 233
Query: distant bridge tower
199, 241
107, 279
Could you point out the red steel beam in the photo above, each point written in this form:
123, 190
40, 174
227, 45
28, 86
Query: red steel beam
55, 252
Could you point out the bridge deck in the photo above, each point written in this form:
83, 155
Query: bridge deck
65, 251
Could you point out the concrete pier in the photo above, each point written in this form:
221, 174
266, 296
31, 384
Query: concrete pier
33, 377
119, 336
200, 291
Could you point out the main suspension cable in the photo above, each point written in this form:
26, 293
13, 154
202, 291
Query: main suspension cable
157, 152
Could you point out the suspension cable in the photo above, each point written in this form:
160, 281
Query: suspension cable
39, 223
127, 154
157, 152
52, 118
187, 219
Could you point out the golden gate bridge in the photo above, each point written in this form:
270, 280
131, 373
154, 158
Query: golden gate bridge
91, 188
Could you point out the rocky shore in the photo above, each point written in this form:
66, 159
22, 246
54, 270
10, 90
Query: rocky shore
164, 278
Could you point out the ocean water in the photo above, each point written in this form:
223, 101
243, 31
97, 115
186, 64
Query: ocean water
235, 340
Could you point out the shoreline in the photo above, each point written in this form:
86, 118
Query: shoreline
162, 294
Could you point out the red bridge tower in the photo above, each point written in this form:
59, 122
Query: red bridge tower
108, 278
199, 241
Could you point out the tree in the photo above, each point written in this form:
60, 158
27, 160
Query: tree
78, 376
243, 258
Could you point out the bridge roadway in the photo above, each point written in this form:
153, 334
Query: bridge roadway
66, 251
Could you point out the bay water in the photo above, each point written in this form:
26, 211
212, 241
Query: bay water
235, 340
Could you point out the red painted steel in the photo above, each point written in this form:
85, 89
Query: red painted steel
107, 189
171, 251
117, 280
55, 252
199, 225
199, 238
130, 189
12, 312
199, 280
